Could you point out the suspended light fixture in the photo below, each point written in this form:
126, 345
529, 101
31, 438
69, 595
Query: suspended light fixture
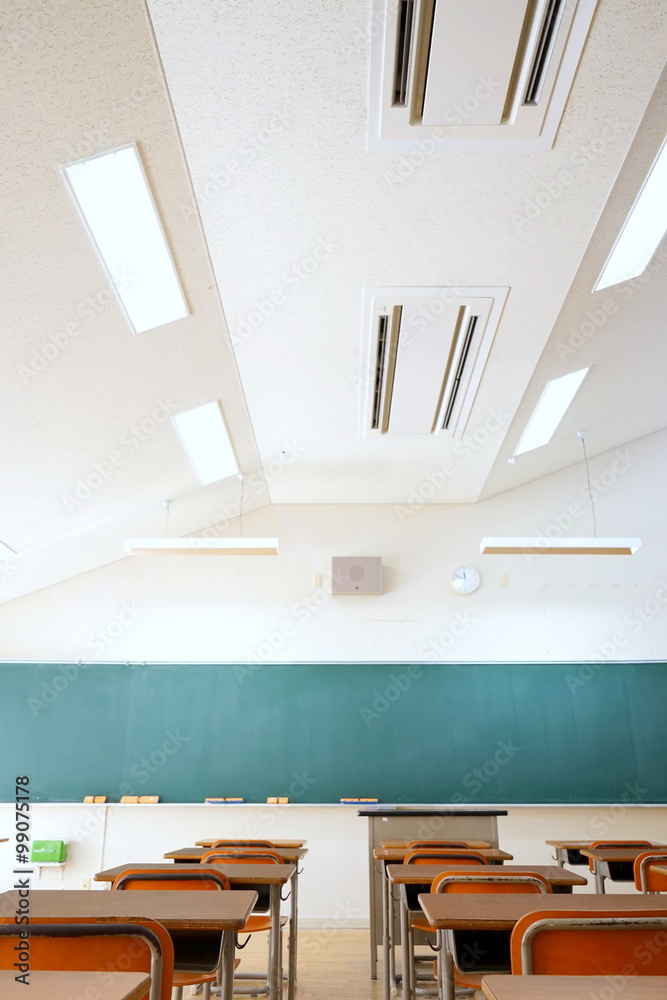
544, 546
195, 546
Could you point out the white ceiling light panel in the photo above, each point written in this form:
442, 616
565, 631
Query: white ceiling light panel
550, 410
206, 440
643, 230
115, 200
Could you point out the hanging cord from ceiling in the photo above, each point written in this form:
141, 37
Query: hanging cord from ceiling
580, 434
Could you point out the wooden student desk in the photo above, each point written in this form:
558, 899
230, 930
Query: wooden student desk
226, 912
571, 987
571, 851
500, 912
561, 881
289, 855
493, 855
390, 932
67, 985
240, 877
602, 857
277, 843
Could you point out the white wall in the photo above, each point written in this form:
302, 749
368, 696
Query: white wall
232, 609
185, 608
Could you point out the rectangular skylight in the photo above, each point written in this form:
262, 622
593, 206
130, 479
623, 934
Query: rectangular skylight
643, 229
112, 193
206, 440
550, 410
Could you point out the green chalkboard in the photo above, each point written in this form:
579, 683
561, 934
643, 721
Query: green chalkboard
431, 733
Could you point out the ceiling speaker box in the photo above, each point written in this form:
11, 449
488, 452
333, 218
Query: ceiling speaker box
356, 575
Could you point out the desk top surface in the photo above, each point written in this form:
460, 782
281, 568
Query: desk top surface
398, 853
66, 985
277, 843
425, 811
569, 987
245, 874
616, 853
178, 910
482, 911
417, 874
288, 854
472, 845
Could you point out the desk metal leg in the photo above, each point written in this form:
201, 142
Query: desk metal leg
275, 985
293, 927
386, 936
561, 856
393, 987
405, 941
227, 979
446, 967
599, 879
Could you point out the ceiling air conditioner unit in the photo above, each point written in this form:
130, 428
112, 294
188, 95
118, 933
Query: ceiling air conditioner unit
424, 354
473, 75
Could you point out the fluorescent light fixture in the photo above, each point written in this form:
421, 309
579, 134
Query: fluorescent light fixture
550, 410
201, 546
559, 546
643, 229
205, 438
5, 551
114, 198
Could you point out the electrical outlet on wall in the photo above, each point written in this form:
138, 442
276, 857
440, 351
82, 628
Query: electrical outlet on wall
85, 883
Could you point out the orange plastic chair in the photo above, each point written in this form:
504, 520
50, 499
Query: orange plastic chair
196, 961
242, 843
432, 845
590, 943
494, 946
255, 923
424, 857
619, 871
80, 945
646, 879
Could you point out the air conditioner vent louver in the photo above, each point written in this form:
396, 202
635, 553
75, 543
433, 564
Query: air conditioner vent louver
402, 62
460, 370
474, 74
543, 51
425, 352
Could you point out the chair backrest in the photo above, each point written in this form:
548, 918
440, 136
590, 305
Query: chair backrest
140, 878
453, 857
646, 879
433, 845
590, 943
491, 881
243, 843
247, 857
80, 945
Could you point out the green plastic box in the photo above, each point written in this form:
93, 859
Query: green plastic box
48, 851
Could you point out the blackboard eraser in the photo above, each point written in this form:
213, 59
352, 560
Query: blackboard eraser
348, 802
95, 798
369, 800
129, 799
277, 800
149, 799
233, 801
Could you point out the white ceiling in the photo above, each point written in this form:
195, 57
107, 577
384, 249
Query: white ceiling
271, 110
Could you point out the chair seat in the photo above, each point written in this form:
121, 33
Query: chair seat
258, 923
421, 924
194, 978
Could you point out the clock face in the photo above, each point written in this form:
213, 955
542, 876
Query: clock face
465, 579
